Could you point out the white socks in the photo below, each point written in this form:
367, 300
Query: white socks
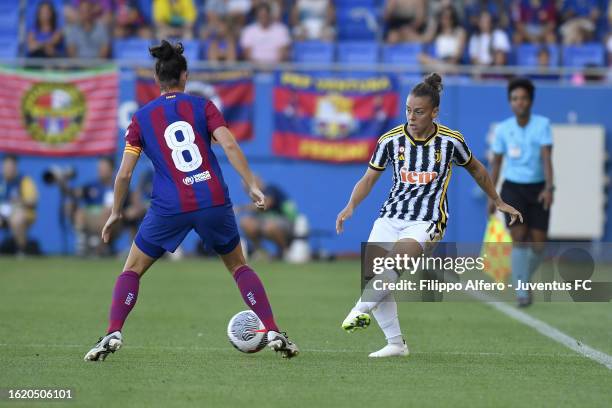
386, 317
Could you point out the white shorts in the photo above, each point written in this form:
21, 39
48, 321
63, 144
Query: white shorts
391, 230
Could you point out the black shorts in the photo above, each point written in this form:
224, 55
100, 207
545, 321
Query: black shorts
524, 197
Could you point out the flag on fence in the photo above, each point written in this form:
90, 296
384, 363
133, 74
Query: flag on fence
331, 118
58, 113
231, 91
497, 250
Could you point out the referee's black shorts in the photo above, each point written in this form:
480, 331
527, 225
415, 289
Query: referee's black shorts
524, 197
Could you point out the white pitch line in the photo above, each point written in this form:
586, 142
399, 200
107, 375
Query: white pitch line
196, 348
550, 331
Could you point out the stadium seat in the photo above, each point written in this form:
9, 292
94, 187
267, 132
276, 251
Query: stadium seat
355, 52
132, 49
347, 4
8, 48
313, 52
401, 54
527, 55
356, 24
146, 8
192, 50
583, 55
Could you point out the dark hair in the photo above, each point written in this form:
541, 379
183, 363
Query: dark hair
454, 15
431, 87
170, 62
524, 83
264, 6
108, 159
10, 156
53, 15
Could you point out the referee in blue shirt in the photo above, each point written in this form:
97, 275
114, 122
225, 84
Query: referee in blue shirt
524, 143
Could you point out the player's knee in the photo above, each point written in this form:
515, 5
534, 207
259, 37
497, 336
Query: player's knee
270, 229
249, 225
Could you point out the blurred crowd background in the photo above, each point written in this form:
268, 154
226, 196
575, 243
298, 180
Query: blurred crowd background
497, 33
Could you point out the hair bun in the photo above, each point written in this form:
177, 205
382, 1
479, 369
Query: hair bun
166, 51
435, 81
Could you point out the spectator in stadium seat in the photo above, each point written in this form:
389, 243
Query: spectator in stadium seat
101, 9
95, 200
45, 38
18, 199
534, 21
313, 20
405, 20
129, 21
221, 42
489, 39
448, 38
265, 41
89, 36
474, 8
274, 224
544, 72
232, 12
579, 20
174, 18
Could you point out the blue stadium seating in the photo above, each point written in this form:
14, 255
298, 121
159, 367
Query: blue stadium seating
583, 55
8, 47
356, 24
313, 52
192, 50
132, 49
355, 52
402, 54
527, 55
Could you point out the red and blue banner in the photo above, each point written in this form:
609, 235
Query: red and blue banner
332, 118
232, 93
59, 113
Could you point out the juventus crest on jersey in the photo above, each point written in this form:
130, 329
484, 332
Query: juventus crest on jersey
421, 172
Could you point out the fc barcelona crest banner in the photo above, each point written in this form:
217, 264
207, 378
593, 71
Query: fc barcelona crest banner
58, 114
231, 91
331, 118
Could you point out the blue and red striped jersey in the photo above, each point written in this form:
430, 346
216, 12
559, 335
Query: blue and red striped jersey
175, 132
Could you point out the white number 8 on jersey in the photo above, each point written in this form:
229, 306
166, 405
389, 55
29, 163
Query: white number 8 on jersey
179, 147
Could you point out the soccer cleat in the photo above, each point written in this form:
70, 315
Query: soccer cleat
356, 320
392, 350
106, 345
280, 342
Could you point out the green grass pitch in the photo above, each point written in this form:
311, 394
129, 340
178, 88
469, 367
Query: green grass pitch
176, 353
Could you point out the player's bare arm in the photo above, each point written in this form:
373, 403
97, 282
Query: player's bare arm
230, 146
122, 185
546, 196
481, 176
360, 192
495, 170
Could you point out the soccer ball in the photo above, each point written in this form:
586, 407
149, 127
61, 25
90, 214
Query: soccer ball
246, 332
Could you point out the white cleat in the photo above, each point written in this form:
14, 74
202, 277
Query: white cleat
392, 350
106, 345
280, 342
356, 320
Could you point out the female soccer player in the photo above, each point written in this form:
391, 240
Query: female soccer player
422, 154
524, 141
175, 131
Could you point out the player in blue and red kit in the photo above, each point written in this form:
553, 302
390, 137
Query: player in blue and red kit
176, 131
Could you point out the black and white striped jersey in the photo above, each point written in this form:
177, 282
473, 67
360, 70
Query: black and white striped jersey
421, 172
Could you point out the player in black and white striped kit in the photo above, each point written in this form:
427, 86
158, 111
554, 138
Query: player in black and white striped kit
422, 154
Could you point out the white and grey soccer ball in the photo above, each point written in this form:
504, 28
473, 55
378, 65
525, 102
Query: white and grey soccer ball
246, 332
